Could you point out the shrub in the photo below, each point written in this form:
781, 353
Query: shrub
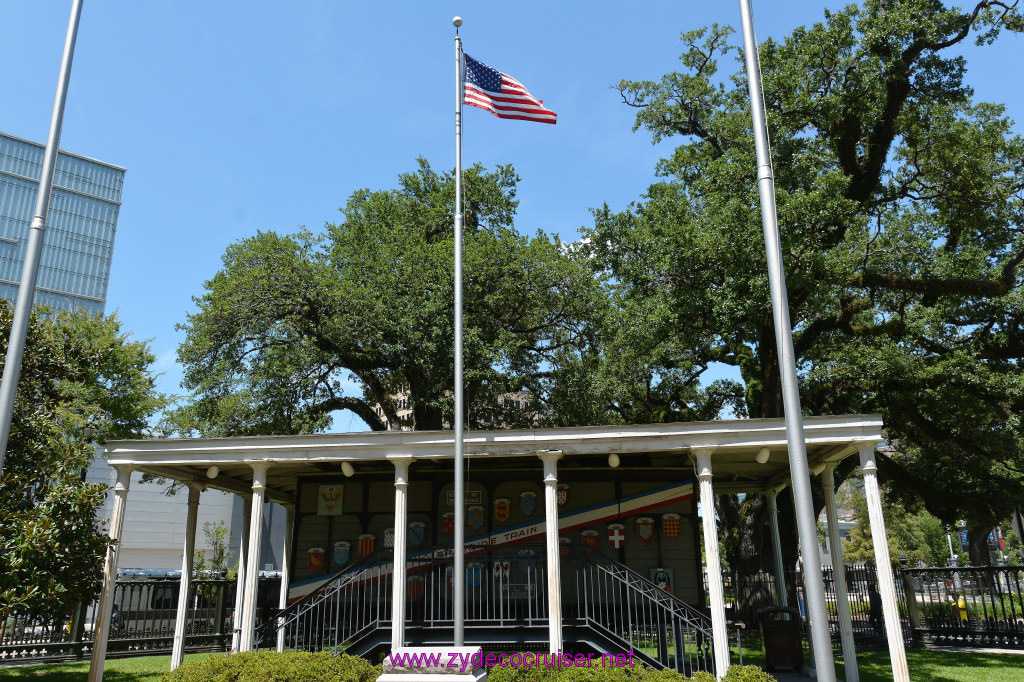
297, 666
747, 673
639, 673
270, 666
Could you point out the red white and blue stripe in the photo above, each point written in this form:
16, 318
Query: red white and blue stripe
501, 94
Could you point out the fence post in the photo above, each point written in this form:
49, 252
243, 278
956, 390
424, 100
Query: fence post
220, 612
78, 629
913, 612
662, 635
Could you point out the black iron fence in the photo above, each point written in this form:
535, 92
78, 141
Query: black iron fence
143, 620
974, 606
980, 606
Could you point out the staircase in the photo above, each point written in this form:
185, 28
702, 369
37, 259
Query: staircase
620, 610
607, 608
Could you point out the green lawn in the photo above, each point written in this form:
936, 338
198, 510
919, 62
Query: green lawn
925, 666
136, 669
944, 666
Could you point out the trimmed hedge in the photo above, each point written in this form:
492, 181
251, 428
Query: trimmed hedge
298, 666
639, 673
747, 673
270, 666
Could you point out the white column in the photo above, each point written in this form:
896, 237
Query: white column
243, 561
828, 482
773, 523
883, 564
286, 557
716, 589
252, 570
550, 460
401, 534
101, 626
185, 583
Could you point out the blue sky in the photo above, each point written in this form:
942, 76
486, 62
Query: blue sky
233, 117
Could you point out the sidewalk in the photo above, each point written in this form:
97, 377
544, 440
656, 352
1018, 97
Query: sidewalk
975, 650
790, 675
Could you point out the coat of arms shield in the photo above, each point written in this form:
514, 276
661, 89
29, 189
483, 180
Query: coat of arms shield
416, 587
526, 560
617, 535
502, 509
670, 524
501, 569
475, 517
329, 501
389, 537
315, 558
366, 544
590, 538
527, 503
417, 533
342, 551
645, 528
449, 523
563, 494
474, 574
563, 546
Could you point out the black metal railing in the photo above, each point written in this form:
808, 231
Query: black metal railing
980, 606
143, 620
504, 587
327, 617
664, 630
868, 628
991, 613
746, 595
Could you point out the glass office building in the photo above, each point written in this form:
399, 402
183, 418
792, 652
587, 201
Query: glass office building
80, 227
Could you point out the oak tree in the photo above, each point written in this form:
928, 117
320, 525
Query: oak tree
359, 316
900, 207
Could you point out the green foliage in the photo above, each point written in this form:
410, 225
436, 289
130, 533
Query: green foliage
914, 534
635, 673
1014, 547
217, 559
77, 370
270, 666
291, 319
900, 211
747, 673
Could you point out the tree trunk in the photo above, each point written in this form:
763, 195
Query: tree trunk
977, 538
748, 550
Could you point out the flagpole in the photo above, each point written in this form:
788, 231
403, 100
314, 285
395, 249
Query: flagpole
458, 569
33, 252
814, 586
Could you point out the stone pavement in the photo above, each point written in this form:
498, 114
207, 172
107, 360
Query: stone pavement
791, 675
976, 650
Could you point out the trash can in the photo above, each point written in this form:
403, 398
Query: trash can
783, 641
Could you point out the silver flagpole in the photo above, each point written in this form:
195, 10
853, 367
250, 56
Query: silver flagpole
814, 587
458, 570
30, 270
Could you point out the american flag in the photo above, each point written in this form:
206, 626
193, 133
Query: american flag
502, 95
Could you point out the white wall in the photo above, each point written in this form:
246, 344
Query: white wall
154, 527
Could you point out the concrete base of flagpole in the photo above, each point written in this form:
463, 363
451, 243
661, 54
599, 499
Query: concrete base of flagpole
451, 664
